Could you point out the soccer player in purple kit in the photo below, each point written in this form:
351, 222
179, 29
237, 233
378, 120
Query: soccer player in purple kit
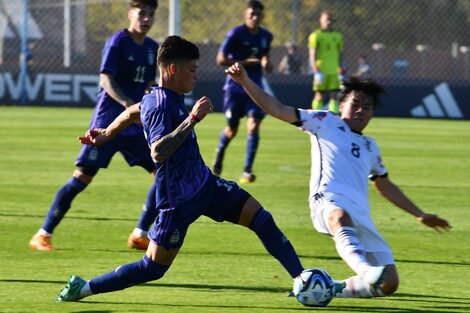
127, 69
186, 188
248, 44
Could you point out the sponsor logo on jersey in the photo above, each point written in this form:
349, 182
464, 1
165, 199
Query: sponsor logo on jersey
439, 104
130, 58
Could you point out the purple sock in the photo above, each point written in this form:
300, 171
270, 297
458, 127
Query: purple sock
62, 202
275, 242
128, 275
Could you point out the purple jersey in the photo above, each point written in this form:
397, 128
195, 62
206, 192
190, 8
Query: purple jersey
183, 174
133, 67
241, 44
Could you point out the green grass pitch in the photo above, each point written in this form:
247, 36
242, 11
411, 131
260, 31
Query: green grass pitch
223, 267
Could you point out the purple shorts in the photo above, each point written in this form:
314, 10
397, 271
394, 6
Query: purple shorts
238, 105
134, 149
218, 199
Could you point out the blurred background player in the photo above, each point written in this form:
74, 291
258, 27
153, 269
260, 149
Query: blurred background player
324, 47
291, 62
127, 69
363, 70
186, 188
248, 44
342, 161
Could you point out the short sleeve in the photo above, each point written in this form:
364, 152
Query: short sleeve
155, 119
377, 168
312, 120
312, 40
110, 58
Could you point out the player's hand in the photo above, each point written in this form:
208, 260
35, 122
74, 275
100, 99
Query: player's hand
202, 107
267, 65
435, 222
237, 72
96, 136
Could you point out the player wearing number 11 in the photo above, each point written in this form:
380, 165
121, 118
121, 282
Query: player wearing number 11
128, 66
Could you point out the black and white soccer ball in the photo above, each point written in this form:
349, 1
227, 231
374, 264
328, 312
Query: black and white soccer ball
314, 287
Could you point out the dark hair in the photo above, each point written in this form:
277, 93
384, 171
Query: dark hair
176, 48
368, 87
255, 4
138, 3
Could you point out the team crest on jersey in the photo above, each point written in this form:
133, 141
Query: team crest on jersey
264, 43
93, 155
319, 115
151, 57
175, 237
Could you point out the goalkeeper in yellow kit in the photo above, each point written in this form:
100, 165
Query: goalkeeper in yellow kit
325, 45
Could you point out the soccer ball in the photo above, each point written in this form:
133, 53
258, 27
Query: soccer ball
314, 287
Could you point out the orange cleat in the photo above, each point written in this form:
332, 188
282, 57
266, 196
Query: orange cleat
41, 243
136, 242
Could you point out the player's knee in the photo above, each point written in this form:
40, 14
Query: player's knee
262, 221
153, 270
85, 174
390, 284
231, 132
339, 218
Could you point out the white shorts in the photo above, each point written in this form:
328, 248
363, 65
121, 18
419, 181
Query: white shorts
377, 250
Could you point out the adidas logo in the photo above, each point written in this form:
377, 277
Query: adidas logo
130, 58
441, 104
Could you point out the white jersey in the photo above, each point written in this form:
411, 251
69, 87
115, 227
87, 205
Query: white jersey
342, 160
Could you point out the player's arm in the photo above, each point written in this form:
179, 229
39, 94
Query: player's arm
393, 193
109, 84
223, 60
99, 136
312, 54
266, 63
269, 104
164, 147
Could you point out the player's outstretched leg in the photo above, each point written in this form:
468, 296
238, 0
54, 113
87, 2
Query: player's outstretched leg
356, 287
122, 277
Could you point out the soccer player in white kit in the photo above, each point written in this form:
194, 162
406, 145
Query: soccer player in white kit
343, 159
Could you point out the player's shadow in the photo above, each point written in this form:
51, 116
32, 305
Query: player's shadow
92, 311
428, 303
88, 218
397, 260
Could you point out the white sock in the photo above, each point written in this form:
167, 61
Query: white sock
357, 288
85, 291
350, 249
43, 232
139, 232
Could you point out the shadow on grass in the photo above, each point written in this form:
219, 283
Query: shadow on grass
428, 303
254, 307
72, 217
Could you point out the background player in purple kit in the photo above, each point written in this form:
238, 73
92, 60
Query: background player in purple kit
186, 188
127, 69
248, 44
